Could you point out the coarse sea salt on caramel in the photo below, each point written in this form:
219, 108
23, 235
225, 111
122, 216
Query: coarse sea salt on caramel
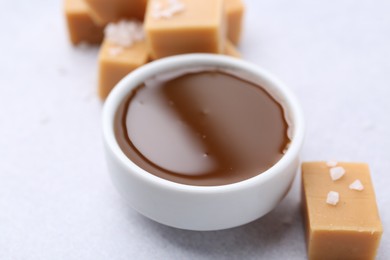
356, 185
171, 7
123, 50
333, 198
336, 173
191, 26
124, 33
349, 230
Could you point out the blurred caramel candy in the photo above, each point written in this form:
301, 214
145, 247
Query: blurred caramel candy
81, 27
184, 26
235, 13
350, 229
105, 11
117, 61
231, 50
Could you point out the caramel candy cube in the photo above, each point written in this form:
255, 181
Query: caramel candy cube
106, 11
349, 229
115, 62
81, 27
235, 13
231, 50
185, 26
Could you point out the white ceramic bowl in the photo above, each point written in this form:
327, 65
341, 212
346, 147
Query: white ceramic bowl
202, 207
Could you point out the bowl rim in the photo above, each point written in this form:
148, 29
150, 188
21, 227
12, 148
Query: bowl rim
133, 79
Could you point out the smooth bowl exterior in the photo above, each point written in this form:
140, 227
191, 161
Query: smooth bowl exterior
202, 207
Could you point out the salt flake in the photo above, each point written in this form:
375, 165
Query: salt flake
356, 185
331, 163
124, 33
172, 7
336, 172
333, 198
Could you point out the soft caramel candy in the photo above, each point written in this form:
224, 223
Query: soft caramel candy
184, 26
231, 50
235, 13
342, 219
105, 11
81, 27
116, 61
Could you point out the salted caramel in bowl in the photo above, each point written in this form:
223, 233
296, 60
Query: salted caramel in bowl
202, 141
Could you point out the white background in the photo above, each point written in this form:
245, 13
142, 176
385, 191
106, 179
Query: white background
56, 198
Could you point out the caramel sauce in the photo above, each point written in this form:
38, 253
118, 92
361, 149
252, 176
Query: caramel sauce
205, 128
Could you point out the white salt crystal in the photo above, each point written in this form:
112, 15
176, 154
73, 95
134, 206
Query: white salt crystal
331, 163
356, 185
337, 172
333, 198
171, 8
124, 33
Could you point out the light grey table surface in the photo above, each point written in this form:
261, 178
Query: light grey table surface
56, 198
